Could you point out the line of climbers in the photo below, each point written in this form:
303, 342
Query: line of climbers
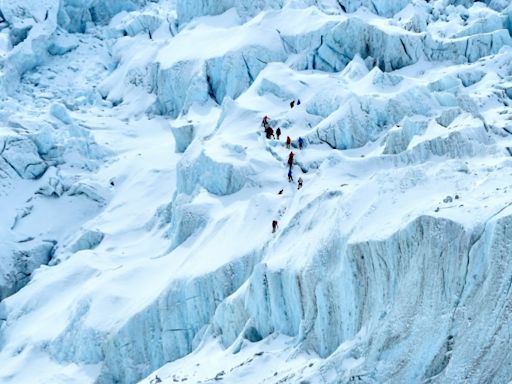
269, 134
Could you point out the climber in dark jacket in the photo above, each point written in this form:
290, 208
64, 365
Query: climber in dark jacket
300, 181
288, 142
269, 132
301, 142
274, 225
290, 178
264, 122
292, 104
278, 133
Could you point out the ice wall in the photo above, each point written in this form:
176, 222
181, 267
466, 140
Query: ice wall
328, 46
188, 10
465, 286
19, 263
428, 277
75, 14
186, 83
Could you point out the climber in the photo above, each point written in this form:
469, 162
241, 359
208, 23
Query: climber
156, 380
278, 132
292, 104
301, 142
300, 181
288, 142
274, 225
270, 133
298, 101
290, 159
264, 122
280, 192
290, 177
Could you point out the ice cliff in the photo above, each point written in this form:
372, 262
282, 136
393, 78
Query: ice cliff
138, 190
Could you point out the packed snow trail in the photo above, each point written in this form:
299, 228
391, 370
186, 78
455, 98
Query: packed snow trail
133, 163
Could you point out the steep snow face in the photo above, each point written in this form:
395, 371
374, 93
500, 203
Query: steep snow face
138, 191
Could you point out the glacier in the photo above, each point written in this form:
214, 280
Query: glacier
138, 190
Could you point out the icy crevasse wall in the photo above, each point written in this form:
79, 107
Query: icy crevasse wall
187, 10
394, 50
185, 83
190, 9
451, 296
167, 329
176, 322
75, 14
18, 264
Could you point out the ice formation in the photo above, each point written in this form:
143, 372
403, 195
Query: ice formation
138, 190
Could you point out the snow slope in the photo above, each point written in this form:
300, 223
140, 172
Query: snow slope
138, 191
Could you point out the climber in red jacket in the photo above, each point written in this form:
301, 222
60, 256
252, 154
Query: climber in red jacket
290, 159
